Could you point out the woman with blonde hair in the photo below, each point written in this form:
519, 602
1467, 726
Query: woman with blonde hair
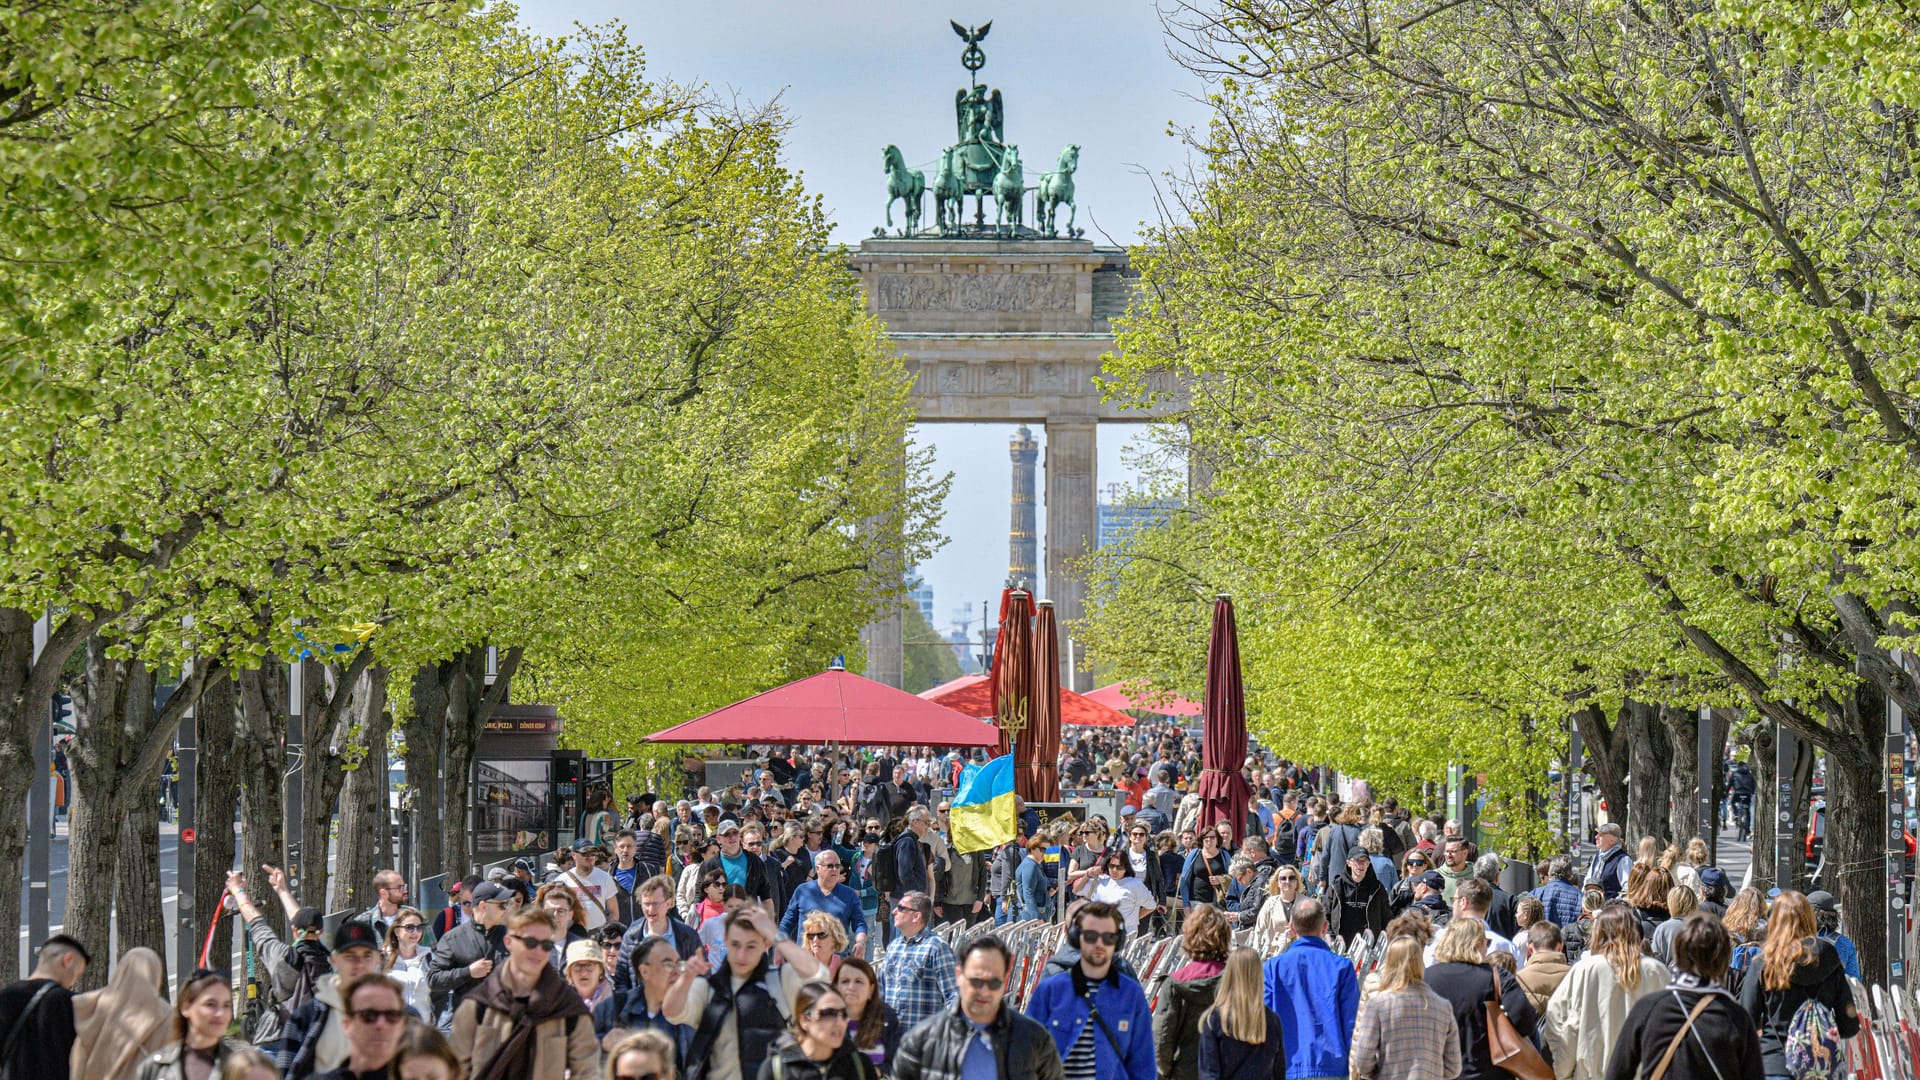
1681, 902
1794, 967
825, 938
1587, 1010
1207, 939
1275, 922
119, 1027
1240, 1038
1648, 895
1744, 913
1462, 977
1405, 1031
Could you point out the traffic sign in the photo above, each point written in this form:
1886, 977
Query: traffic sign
186, 836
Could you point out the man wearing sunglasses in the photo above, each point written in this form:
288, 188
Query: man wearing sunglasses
314, 1040
468, 952
525, 1020
1097, 1014
980, 1035
374, 1018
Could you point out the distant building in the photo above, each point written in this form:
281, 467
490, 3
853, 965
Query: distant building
920, 594
1119, 516
1023, 544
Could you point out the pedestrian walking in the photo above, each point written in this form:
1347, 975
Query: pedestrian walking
1794, 968
1610, 861
466, 955
1559, 894
1314, 992
36, 1013
1116, 884
1826, 916
315, 1041
1462, 976
405, 959
202, 1013
524, 1021
1096, 1013
1546, 966
1240, 1038
374, 1018
1206, 939
1356, 900
640, 1055
1033, 886
828, 893
874, 1027
816, 1045
643, 1006
1586, 1011
739, 1009
291, 972
116, 1029
1692, 1029
980, 1035
1405, 1031
917, 970
1275, 920
1203, 878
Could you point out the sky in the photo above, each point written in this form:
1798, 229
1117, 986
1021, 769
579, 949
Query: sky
853, 77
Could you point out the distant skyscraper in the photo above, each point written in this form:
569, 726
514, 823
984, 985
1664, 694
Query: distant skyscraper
1120, 516
920, 593
1023, 547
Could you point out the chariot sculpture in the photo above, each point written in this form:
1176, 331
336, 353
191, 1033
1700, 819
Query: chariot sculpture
982, 164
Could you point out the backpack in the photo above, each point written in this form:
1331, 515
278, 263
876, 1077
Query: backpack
886, 877
310, 961
1742, 959
1813, 1049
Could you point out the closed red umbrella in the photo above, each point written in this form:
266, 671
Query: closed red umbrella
1223, 791
1013, 666
1036, 756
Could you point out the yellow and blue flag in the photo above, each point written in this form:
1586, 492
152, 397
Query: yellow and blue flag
982, 814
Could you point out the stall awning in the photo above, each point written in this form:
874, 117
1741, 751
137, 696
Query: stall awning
1116, 697
834, 706
973, 695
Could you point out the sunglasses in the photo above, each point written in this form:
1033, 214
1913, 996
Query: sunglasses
816, 935
636, 1076
829, 1014
411, 927
1104, 937
535, 943
379, 1016
986, 983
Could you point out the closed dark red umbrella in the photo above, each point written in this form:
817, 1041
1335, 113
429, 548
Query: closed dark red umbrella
1013, 666
1036, 756
1223, 791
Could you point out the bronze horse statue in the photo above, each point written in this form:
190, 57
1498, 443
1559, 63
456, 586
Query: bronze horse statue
905, 184
1009, 190
1056, 187
949, 197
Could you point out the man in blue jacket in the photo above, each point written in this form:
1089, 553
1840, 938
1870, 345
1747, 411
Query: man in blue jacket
1097, 1014
1314, 992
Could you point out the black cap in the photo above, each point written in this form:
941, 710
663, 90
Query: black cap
307, 918
1822, 900
485, 891
353, 935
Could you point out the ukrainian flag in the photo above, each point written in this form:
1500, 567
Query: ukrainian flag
982, 815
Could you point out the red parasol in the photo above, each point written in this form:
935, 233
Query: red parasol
1223, 749
973, 695
1117, 697
1036, 757
1013, 666
833, 706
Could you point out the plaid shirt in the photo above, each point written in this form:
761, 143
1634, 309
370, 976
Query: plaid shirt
1408, 1034
917, 977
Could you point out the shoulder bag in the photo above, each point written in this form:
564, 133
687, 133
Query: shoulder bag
1510, 1050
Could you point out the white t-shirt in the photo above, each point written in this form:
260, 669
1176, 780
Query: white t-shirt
598, 884
1129, 894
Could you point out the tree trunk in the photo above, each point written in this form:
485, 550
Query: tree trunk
261, 764
1855, 856
1765, 804
363, 848
216, 796
1683, 774
324, 754
139, 916
471, 703
424, 736
1606, 758
27, 686
1648, 751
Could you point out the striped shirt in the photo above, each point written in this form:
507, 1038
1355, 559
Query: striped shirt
1080, 1063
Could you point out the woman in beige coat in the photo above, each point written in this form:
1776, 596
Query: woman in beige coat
1588, 1009
118, 1027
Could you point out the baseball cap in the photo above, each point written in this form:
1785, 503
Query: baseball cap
524, 864
1432, 880
727, 826
487, 890
498, 874
1128, 810
307, 918
1712, 877
355, 935
1822, 900
1773, 893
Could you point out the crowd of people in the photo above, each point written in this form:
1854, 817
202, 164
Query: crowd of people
801, 926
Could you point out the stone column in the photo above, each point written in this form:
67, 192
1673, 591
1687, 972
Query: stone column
1072, 522
884, 639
